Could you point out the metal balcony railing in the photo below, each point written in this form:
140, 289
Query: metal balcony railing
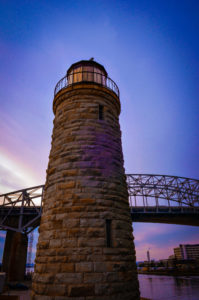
86, 76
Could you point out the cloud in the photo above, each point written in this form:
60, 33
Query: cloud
23, 156
156, 251
162, 238
13, 175
145, 231
147, 236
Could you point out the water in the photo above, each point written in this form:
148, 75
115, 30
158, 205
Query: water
155, 287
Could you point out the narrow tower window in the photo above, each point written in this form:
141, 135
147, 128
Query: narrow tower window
108, 233
101, 112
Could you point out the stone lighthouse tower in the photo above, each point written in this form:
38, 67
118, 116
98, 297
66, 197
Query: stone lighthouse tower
85, 249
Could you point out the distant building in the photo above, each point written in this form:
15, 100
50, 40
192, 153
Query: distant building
148, 256
171, 256
178, 253
187, 251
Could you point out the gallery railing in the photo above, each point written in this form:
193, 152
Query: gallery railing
86, 76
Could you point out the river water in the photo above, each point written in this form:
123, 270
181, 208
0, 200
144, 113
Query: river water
155, 287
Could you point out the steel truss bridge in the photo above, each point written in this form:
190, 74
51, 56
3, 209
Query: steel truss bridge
152, 198
163, 199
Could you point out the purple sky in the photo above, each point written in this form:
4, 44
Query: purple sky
149, 48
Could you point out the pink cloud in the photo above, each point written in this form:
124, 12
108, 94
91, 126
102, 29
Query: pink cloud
146, 230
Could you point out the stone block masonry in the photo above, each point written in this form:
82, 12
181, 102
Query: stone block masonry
85, 248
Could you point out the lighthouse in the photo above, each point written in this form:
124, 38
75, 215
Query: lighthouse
85, 249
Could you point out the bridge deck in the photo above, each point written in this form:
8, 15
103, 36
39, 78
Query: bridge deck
167, 215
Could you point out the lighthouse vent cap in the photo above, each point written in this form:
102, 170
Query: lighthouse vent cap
87, 65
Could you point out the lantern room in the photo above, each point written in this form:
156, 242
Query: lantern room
86, 71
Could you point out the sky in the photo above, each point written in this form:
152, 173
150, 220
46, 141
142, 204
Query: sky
149, 48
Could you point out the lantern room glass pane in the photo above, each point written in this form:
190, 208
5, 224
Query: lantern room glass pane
70, 78
88, 73
99, 76
77, 75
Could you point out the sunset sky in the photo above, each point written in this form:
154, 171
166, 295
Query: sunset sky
149, 48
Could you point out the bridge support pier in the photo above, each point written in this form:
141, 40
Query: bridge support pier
14, 256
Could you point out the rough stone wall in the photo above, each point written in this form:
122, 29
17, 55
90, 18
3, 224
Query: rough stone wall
85, 186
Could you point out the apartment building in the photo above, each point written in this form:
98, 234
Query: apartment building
186, 251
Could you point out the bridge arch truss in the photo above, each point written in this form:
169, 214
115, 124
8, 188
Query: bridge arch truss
162, 190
